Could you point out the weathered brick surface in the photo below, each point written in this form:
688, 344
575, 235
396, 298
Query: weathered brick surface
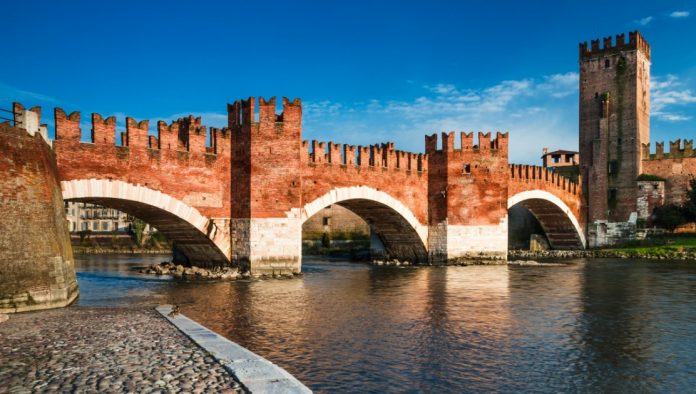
36, 261
678, 167
614, 122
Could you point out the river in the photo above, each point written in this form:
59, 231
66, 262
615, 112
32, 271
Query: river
579, 326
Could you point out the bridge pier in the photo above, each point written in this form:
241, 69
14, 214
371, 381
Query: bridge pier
460, 244
269, 246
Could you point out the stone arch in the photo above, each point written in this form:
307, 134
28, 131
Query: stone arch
403, 236
557, 219
197, 237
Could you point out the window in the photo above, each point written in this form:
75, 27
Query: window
105, 226
607, 63
556, 159
612, 195
95, 226
467, 168
613, 167
326, 221
85, 226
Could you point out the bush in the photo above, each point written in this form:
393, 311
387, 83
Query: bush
669, 216
650, 177
325, 240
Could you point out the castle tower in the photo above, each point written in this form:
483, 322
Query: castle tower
614, 122
467, 198
266, 182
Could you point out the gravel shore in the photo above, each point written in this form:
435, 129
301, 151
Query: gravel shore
104, 350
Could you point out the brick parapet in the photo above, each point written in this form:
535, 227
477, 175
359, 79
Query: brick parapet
609, 46
176, 161
676, 150
382, 156
537, 174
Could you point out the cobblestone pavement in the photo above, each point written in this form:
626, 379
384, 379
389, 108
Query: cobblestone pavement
104, 350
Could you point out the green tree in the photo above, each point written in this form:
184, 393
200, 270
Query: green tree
669, 216
138, 230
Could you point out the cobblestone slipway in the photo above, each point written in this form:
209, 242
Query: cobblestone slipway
104, 350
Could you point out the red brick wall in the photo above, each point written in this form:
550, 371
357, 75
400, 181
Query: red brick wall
202, 180
378, 166
526, 177
36, 261
266, 158
471, 182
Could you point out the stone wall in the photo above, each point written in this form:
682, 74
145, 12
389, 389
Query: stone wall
36, 261
677, 167
336, 221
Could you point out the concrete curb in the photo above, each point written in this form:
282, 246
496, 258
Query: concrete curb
257, 374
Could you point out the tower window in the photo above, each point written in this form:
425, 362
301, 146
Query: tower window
613, 167
467, 168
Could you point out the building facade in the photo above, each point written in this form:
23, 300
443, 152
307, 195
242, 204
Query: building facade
84, 216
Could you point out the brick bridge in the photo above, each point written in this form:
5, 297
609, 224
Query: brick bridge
239, 195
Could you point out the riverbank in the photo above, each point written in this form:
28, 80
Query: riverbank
78, 250
79, 349
624, 253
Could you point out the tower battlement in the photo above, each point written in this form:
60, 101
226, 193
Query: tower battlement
244, 112
498, 146
610, 46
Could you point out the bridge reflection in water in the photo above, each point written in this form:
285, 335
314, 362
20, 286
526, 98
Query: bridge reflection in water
600, 326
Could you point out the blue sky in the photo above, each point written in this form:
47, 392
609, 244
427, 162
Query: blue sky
367, 71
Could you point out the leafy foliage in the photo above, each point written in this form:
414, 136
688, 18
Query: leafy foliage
669, 216
138, 229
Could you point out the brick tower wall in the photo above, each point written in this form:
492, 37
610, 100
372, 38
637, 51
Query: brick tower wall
36, 261
614, 123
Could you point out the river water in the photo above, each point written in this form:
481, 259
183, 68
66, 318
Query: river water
579, 326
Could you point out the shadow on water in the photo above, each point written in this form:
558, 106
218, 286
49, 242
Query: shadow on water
585, 326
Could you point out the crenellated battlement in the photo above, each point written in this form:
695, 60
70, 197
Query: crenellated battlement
372, 156
530, 174
497, 146
244, 112
609, 46
677, 150
184, 134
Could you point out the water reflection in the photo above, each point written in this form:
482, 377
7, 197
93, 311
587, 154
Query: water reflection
599, 326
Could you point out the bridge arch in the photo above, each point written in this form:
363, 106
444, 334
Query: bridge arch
195, 236
562, 228
403, 236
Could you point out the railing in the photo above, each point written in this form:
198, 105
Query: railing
13, 119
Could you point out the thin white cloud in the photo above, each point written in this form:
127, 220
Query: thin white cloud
666, 94
680, 14
14, 93
644, 21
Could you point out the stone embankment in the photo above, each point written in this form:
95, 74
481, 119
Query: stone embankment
104, 350
685, 254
